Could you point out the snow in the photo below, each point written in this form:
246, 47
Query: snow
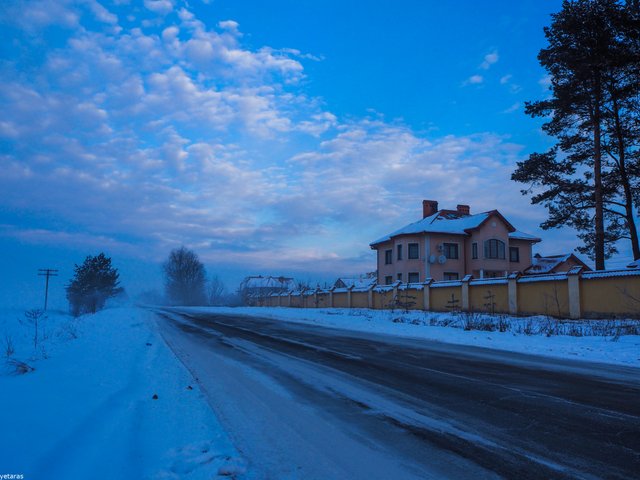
518, 235
88, 408
436, 224
611, 273
290, 417
356, 283
622, 350
442, 223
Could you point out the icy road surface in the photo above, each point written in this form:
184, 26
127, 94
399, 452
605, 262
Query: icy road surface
309, 402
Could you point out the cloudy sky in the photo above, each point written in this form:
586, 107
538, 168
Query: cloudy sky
270, 137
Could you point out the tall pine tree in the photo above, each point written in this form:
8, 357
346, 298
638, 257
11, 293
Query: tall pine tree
584, 180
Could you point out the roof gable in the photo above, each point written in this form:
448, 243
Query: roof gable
449, 222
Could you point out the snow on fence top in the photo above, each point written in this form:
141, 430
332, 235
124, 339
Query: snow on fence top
446, 283
611, 273
489, 281
543, 278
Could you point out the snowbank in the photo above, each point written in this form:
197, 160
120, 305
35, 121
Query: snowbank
582, 340
107, 399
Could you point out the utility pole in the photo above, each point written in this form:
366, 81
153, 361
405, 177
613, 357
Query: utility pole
47, 272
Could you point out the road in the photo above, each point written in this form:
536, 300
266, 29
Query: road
303, 401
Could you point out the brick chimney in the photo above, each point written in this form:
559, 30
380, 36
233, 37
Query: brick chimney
429, 207
464, 209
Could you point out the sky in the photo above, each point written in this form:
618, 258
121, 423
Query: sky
275, 137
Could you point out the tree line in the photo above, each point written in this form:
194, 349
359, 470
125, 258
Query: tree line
96, 280
590, 178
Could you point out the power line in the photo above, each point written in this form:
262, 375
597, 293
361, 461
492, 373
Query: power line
47, 272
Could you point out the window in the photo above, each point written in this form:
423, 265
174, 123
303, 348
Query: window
494, 274
414, 251
388, 257
414, 277
399, 247
514, 254
451, 275
451, 250
494, 249
388, 280
474, 250
399, 277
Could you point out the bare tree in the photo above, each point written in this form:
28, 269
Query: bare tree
184, 278
216, 291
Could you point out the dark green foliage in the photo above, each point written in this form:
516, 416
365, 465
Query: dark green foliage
93, 283
184, 278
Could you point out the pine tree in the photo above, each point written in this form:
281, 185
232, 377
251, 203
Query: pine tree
93, 283
585, 179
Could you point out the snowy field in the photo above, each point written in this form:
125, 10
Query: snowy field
106, 399
606, 341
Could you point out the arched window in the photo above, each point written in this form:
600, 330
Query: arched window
494, 248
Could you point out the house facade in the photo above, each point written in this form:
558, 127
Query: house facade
449, 244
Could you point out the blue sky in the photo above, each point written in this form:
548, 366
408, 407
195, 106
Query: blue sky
271, 137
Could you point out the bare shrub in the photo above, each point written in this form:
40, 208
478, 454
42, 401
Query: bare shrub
70, 329
528, 327
575, 330
503, 324
19, 367
9, 347
476, 321
34, 318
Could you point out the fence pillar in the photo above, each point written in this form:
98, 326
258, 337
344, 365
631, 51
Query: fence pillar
512, 289
349, 304
426, 300
289, 301
395, 299
573, 286
331, 297
465, 292
370, 296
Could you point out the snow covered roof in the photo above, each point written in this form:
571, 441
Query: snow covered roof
548, 263
448, 221
268, 282
518, 235
355, 282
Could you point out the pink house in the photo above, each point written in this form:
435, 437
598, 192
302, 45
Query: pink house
449, 244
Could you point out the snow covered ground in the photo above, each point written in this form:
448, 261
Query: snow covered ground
588, 340
89, 407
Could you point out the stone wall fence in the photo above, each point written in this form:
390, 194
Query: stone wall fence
574, 294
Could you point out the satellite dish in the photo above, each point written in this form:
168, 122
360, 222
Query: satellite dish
432, 259
442, 259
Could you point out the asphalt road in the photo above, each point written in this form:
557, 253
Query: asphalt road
440, 410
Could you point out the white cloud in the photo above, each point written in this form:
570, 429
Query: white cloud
146, 139
474, 80
513, 108
489, 60
505, 79
545, 82
161, 7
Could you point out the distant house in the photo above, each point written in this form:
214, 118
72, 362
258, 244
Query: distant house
554, 264
254, 289
449, 244
358, 282
634, 264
